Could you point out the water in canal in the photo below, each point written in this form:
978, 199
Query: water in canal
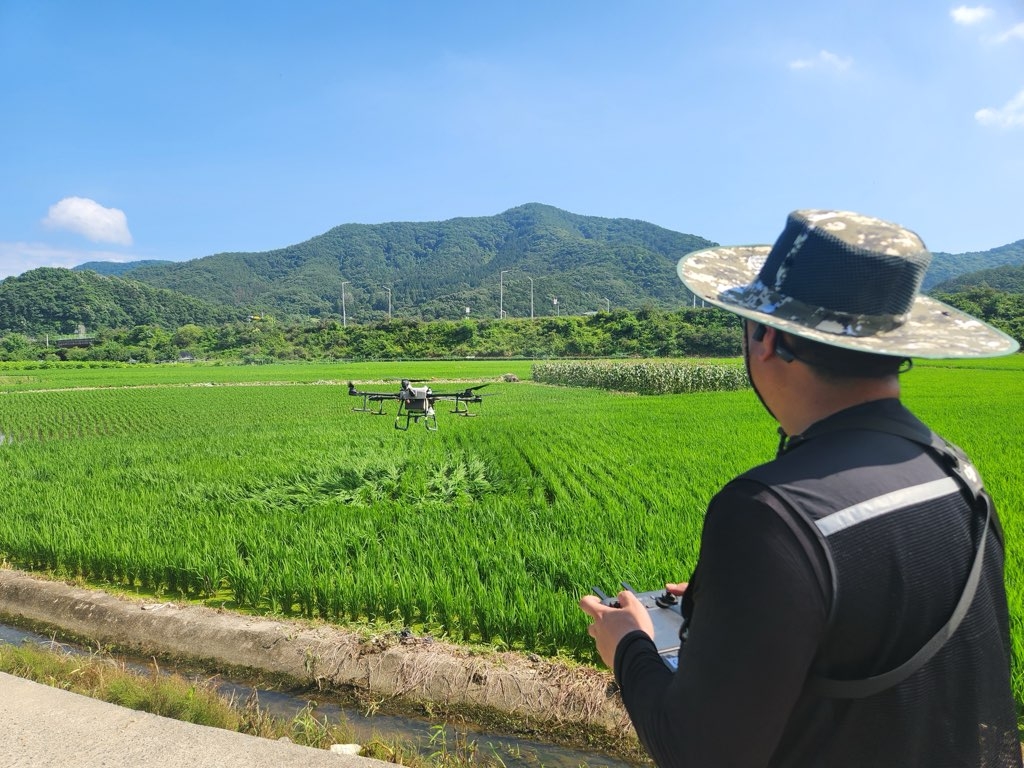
514, 753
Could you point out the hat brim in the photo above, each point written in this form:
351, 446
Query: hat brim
724, 277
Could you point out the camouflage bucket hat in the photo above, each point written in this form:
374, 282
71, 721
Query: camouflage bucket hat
846, 280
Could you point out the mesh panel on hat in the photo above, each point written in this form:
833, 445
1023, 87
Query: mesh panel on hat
861, 283
818, 267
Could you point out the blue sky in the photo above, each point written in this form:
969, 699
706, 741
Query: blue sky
138, 130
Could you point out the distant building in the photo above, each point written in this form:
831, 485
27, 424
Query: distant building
79, 340
74, 341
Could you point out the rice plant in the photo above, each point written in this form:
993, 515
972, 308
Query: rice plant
281, 498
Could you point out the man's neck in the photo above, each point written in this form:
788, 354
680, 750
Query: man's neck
818, 400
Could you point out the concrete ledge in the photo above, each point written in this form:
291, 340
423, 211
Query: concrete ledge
45, 726
532, 689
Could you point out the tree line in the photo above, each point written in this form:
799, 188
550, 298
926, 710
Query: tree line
648, 332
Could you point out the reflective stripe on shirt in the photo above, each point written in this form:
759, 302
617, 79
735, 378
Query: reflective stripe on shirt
886, 503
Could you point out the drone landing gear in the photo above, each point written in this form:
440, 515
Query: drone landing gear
463, 411
366, 409
429, 421
413, 415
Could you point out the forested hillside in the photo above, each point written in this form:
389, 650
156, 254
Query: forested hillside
48, 300
438, 269
115, 268
947, 266
1007, 278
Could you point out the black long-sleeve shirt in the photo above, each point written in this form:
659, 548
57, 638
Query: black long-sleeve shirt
760, 625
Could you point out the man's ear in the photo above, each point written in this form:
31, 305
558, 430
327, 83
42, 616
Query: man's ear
771, 338
765, 337
779, 347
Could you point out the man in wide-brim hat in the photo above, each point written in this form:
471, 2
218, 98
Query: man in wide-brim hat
848, 605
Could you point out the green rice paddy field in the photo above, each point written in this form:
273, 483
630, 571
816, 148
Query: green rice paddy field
260, 488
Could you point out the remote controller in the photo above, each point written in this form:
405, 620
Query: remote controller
665, 611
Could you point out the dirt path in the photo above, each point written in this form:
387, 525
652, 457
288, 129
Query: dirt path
526, 694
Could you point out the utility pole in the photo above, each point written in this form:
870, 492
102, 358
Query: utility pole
555, 302
344, 316
607, 305
501, 294
531, 296
389, 301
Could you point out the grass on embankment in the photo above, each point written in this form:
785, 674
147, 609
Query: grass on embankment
170, 695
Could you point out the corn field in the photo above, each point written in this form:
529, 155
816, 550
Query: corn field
643, 378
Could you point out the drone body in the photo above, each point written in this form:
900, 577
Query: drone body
415, 403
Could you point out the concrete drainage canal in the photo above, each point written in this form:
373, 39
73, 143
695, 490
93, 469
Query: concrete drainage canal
580, 698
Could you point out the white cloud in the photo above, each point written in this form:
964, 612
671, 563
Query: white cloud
87, 217
1013, 32
825, 59
1010, 115
19, 257
967, 16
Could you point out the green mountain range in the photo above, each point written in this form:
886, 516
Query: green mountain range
438, 269
49, 300
946, 267
1008, 278
117, 268
519, 262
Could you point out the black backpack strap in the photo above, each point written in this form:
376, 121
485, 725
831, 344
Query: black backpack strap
958, 466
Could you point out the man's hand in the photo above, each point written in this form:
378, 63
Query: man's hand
610, 625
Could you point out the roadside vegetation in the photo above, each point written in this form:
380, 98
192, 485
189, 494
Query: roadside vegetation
103, 677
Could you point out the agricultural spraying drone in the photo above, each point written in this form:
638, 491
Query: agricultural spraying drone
415, 403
